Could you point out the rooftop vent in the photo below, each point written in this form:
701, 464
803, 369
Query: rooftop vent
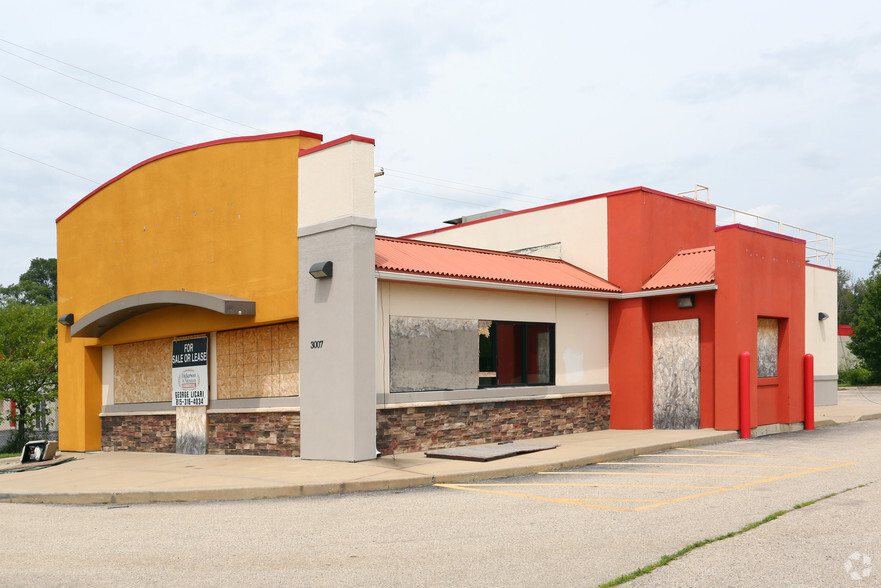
478, 216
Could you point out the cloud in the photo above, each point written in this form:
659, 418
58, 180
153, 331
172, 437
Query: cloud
724, 85
840, 54
817, 157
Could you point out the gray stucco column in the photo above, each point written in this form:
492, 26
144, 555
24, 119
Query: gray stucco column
337, 313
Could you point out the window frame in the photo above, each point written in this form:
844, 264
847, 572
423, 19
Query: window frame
759, 350
524, 355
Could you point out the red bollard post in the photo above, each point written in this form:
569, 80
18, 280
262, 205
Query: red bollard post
745, 417
809, 392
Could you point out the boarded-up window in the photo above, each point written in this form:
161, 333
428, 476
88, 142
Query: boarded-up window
432, 354
258, 362
767, 347
142, 371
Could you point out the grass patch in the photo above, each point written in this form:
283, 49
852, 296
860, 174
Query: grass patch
2, 455
668, 558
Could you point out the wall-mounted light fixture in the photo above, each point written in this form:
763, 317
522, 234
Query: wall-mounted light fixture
321, 270
65, 319
823, 316
685, 301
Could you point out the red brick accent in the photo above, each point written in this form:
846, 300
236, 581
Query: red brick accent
402, 430
149, 432
254, 433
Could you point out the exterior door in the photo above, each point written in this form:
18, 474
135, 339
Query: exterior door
676, 374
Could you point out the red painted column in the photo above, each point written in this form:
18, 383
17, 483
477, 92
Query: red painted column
809, 392
745, 415
12, 408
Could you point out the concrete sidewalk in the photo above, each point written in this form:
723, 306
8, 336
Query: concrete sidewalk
128, 477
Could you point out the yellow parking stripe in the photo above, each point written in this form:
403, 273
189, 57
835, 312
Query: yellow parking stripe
747, 484
748, 454
589, 485
653, 503
648, 474
707, 465
615, 499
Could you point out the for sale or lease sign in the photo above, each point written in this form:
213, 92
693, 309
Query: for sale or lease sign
189, 372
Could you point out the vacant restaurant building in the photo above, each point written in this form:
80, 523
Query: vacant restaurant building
233, 297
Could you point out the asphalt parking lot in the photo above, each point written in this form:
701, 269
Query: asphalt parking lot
651, 481
576, 527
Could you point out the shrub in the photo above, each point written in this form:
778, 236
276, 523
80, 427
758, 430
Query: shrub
855, 376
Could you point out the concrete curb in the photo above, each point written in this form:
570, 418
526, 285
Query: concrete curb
846, 420
407, 479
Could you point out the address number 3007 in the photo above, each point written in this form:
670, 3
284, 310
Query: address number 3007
316, 344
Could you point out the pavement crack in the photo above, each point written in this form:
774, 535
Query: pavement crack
689, 548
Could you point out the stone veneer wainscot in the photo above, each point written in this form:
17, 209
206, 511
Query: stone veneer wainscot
423, 426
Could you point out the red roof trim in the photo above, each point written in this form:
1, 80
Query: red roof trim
345, 139
761, 232
831, 269
564, 203
306, 134
494, 281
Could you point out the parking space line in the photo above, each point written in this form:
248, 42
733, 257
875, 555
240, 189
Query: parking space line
708, 465
615, 499
749, 454
794, 474
642, 504
746, 485
591, 485
649, 474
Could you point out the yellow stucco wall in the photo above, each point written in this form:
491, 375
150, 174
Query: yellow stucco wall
220, 218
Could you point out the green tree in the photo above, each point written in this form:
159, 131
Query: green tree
850, 292
28, 366
37, 286
865, 342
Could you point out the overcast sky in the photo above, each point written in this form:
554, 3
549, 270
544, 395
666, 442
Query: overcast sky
473, 105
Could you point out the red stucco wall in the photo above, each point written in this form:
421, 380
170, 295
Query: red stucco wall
645, 230
759, 274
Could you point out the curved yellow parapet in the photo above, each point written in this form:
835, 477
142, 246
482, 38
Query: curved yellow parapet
213, 217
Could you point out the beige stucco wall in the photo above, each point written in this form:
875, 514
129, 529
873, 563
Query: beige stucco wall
821, 337
580, 228
337, 183
582, 333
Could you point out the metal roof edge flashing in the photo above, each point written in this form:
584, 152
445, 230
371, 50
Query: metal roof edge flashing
429, 280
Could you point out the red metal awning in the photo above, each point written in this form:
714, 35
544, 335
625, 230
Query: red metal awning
434, 259
689, 267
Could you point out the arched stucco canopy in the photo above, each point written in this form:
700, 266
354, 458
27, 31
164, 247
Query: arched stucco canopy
102, 319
